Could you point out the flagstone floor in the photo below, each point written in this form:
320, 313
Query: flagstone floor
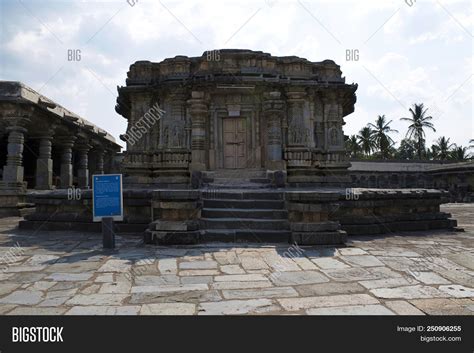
405, 273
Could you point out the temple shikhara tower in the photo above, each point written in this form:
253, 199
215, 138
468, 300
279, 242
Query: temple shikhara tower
241, 110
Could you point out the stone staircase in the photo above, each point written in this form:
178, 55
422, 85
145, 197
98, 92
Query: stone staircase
237, 216
236, 179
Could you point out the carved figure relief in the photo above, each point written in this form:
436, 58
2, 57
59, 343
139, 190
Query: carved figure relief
334, 137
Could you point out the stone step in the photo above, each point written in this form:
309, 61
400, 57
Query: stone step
244, 204
243, 223
217, 194
244, 213
245, 235
236, 173
239, 181
251, 186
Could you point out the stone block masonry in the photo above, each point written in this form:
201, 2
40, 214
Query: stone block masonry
305, 217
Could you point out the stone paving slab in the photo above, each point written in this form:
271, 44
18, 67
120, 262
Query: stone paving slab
401, 307
68, 273
327, 301
168, 309
352, 310
236, 307
104, 310
408, 292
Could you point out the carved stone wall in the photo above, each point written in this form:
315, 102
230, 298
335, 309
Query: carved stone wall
245, 110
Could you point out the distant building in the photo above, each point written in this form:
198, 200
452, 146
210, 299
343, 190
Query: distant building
45, 146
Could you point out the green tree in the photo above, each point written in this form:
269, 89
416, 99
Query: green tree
406, 150
442, 148
381, 132
419, 120
459, 153
367, 140
352, 147
430, 154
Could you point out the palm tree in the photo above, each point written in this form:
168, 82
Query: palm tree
442, 148
381, 131
419, 121
353, 147
459, 153
366, 140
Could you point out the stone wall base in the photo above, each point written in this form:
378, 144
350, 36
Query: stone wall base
13, 200
55, 210
309, 177
381, 211
323, 216
96, 227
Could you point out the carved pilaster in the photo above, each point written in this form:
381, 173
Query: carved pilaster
334, 137
198, 110
175, 126
273, 112
299, 132
332, 122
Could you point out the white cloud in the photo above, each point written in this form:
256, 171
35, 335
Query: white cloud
421, 54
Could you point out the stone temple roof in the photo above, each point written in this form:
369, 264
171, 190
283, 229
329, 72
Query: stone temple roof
17, 92
235, 69
251, 65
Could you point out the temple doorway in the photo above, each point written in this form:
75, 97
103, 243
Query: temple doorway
234, 140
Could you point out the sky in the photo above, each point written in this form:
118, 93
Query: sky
408, 51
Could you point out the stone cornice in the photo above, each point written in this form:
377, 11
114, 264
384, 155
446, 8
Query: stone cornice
233, 62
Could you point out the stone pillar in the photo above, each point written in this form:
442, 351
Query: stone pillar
199, 115
13, 171
83, 165
99, 167
273, 111
44, 164
66, 161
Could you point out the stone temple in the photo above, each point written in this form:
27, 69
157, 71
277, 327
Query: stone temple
241, 111
240, 145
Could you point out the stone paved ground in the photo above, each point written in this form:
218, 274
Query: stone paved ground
69, 273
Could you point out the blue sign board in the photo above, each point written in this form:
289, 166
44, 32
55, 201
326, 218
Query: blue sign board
107, 199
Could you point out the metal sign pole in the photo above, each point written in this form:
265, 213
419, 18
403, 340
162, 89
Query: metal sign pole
108, 233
